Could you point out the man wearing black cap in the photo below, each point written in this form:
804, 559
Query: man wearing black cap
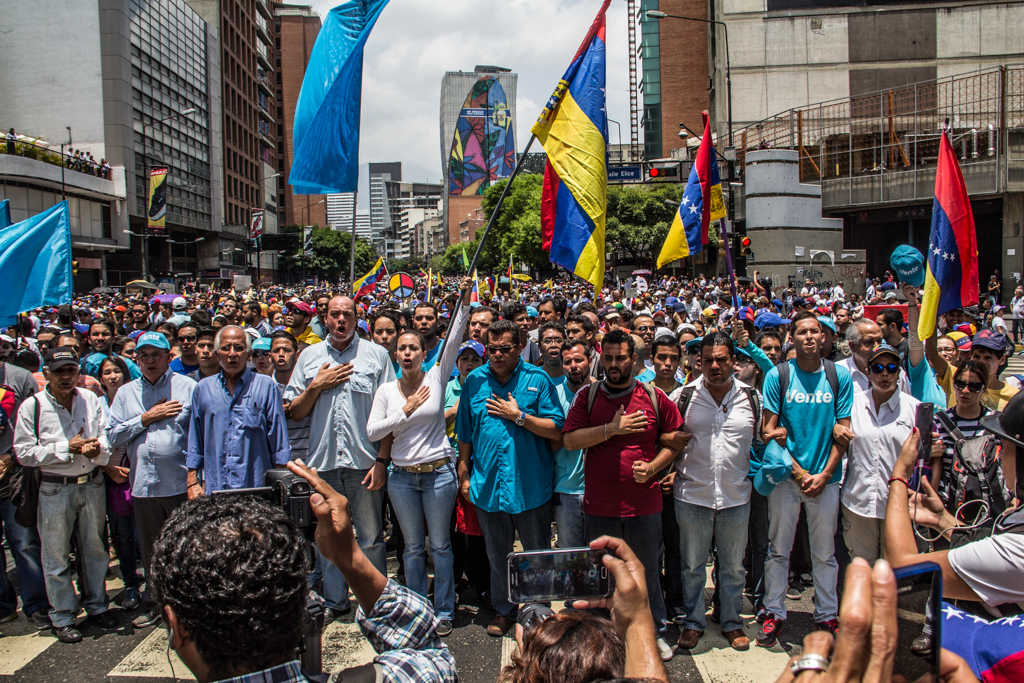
63, 432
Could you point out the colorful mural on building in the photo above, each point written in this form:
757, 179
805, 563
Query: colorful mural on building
484, 148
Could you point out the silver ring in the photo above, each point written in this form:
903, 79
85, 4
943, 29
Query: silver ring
809, 662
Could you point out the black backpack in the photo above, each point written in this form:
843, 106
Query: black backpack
830, 375
652, 393
977, 474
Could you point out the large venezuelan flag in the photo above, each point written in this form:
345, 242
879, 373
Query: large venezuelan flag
368, 283
573, 128
951, 280
701, 203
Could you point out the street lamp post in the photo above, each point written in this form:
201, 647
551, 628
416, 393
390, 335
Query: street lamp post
145, 169
657, 14
302, 237
257, 240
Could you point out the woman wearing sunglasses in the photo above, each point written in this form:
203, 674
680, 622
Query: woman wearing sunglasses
882, 419
969, 381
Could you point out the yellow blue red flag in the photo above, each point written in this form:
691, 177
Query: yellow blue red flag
951, 280
573, 128
701, 203
368, 283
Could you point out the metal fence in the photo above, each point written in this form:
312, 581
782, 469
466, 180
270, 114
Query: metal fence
886, 143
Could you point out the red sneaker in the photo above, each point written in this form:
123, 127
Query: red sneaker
769, 633
832, 626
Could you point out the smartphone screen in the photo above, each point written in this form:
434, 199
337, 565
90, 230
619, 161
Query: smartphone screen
924, 421
567, 574
918, 608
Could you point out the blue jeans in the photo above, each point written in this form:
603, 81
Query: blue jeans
79, 509
429, 496
24, 544
499, 529
727, 528
367, 518
569, 519
822, 519
643, 534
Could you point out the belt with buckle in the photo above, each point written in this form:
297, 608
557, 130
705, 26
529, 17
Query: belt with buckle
425, 467
83, 479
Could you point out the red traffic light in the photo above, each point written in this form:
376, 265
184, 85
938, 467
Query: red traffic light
745, 242
655, 172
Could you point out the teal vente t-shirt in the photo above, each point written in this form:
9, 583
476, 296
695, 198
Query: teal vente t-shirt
809, 411
568, 464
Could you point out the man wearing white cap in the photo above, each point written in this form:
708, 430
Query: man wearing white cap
180, 307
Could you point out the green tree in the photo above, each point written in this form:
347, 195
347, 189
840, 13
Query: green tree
639, 219
330, 255
517, 229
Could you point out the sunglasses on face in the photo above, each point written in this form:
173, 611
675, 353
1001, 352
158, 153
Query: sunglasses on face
646, 328
879, 368
500, 349
973, 387
187, 338
260, 354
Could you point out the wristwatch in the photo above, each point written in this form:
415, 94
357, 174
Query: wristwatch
521, 420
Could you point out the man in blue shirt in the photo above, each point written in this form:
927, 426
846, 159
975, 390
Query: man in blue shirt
237, 431
508, 411
150, 418
801, 417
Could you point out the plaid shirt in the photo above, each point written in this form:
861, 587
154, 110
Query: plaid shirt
402, 629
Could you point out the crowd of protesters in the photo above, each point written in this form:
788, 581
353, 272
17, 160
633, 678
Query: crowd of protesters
464, 418
75, 159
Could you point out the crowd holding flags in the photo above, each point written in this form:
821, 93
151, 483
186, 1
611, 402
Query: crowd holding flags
368, 283
951, 279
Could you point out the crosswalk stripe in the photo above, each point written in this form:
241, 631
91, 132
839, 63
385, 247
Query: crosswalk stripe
344, 646
20, 645
149, 659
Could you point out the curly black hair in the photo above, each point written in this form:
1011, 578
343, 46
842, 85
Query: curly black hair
234, 569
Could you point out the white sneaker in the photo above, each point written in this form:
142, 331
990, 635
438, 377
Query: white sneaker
665, 650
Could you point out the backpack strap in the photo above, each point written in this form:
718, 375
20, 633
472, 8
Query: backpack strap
755, 406
684, 401
833, 379
592, 396
950, 426
36, 425
652, 394
783, 382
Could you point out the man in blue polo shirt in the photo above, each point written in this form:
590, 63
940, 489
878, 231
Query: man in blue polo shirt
508, 411
801, 416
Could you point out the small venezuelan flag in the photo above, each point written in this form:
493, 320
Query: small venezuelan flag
573, 128
368, 283
951, 280
701, 203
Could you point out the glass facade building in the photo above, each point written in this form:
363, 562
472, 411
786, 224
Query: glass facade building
650, 81
169, 74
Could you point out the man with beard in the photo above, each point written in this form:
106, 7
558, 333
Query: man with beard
424, 321
480, 320
518, 314
299, 315
619, 422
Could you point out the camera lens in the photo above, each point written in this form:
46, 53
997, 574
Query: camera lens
532, 614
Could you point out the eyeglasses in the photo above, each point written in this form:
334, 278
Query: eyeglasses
646, 328
553, 340
260, 354
973, 387
503, 350
891, 368
187, 338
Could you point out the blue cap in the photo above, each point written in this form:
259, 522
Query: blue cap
768, 319
777, 302
364, 326
693, 344
156, 339
261, 344
776, 467
827, 322
473, 345
532, 312
909, 265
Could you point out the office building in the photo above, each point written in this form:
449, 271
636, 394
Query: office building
341, 208
421, 198
296, 28
382, 224
120, 90
497, 105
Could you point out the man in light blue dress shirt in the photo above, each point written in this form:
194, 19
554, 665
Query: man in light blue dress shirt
150, 418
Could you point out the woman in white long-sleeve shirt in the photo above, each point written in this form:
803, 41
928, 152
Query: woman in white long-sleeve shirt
421, 481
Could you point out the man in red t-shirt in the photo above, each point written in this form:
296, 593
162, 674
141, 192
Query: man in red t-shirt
622, 497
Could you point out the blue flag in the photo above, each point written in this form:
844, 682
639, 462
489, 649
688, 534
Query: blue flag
326, 127
5, 213
35, 263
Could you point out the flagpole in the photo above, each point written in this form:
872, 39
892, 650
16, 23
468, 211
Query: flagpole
487, 230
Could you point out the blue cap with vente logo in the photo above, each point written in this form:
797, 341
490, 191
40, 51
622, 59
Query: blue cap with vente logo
154, 339
909, 265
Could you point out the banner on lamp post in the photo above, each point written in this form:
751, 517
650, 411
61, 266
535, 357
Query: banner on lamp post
156, 207
255, 224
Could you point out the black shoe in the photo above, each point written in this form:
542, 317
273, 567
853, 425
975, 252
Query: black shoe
334, 614
149, 617
41, 620
793, 592
68, 634
444, 628
105, 620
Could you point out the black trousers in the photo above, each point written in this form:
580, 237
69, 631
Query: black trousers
150, 515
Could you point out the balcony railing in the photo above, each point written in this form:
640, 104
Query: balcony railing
32, 148
883, 146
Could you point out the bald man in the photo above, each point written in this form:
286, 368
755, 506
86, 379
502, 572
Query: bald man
334, 382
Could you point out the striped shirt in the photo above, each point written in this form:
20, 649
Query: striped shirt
298, 432
970, 427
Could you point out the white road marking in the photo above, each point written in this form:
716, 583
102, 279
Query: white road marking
21, 644
149, 659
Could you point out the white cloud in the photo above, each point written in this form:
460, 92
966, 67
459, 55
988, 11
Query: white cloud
416, 41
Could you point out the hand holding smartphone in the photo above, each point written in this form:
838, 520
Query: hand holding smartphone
565, 574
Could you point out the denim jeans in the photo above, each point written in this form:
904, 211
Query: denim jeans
672, 580
822, 519
569, 519
534, 527
758, 533
368, 520
643, 534
122, 535
727, 528
79, 509
25, 547
429, 496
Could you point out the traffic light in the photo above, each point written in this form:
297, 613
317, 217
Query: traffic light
663, 172
745, 247
74, 267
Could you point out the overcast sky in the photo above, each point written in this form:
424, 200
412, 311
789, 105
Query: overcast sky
416, 41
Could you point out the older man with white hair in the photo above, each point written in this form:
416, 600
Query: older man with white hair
237, 431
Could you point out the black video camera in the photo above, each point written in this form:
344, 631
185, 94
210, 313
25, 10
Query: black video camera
291, 493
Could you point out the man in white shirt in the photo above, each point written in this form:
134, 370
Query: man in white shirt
62, 431
712, 491
882, 419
